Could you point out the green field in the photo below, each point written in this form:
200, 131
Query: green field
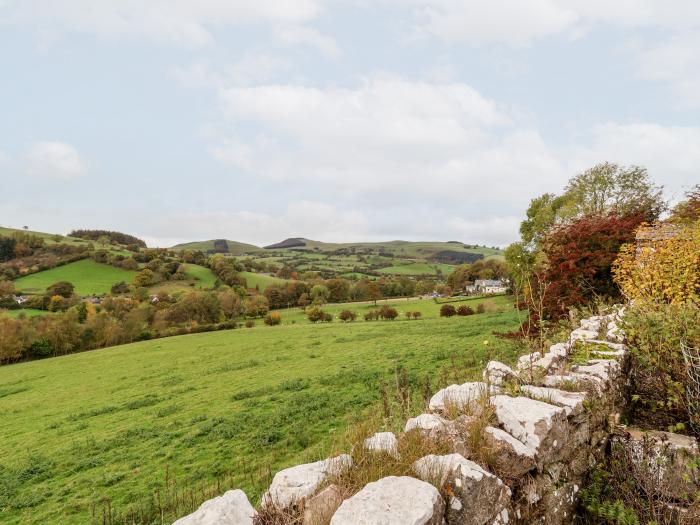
202, 276
29, 312
418, 268
260, 281
88, 277
108, 423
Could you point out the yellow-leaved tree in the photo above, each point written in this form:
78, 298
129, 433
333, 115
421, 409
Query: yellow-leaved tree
663, 266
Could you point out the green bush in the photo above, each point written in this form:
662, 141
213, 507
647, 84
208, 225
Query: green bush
658, 372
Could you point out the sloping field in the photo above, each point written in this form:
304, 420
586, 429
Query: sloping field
418, 268
260, 280
88, 277
109, 423
202, 276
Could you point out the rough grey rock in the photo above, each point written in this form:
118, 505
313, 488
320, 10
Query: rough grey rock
292, 485
232, 508
393, 501
383, 442
319, 509
512, 457
581, 334
605, 369
462, 397
571, 402
477, 496
526, 361
540, 426
496, 373
426, 422
589, 383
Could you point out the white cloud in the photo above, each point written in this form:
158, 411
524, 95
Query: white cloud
180, 22
4, 157
388, 136
676, 61
55, 160
670, 153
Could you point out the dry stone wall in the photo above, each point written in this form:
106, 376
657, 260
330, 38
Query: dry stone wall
541, 427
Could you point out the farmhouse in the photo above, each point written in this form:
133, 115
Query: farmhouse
486, 286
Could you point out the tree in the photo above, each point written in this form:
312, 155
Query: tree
7, 248
304, 300
371, 291
119, 288
347, 315
579, 259
61, 289
447, 310
7, 289
688, 210
315, 314
607, 188
256, 306
273, 319
230, 303
144, 278
320, 294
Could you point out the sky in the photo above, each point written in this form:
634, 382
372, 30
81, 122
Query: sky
336, 120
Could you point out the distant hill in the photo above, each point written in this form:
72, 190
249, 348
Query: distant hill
450, 251
215, 246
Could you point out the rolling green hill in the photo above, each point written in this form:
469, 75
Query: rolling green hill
260, 280
235, 247
88, 277
110, 423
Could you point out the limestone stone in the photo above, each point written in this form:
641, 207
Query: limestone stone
605, 369
496, 373
477, 496
383, 442
571, 402
461, 397
526, 361
512, 457
232, 508
581, 334
394, 500
426, 422
319, 509
540, 426
295, 484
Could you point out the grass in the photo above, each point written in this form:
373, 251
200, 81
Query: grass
260, 280
29, 312
203, 276
418, 268
427, 308
109, 423
88, 277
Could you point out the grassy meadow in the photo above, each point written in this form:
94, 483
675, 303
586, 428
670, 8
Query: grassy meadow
109, 423
88, 277
260, 281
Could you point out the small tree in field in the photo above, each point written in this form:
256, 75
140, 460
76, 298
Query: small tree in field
464, 310
315, 314
447, 310
388, 313
273, 319
347, 316
417, 315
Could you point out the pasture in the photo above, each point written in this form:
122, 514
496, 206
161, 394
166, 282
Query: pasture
260, 281
88, 277
109, 423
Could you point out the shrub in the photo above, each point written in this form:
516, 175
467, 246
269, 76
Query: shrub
447, 310
388, 313
658, 371
417, 315
249, 323
464, 310
480, 308
347, 315
327, 318
315, 314
372, 315
273, 319
663, 267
